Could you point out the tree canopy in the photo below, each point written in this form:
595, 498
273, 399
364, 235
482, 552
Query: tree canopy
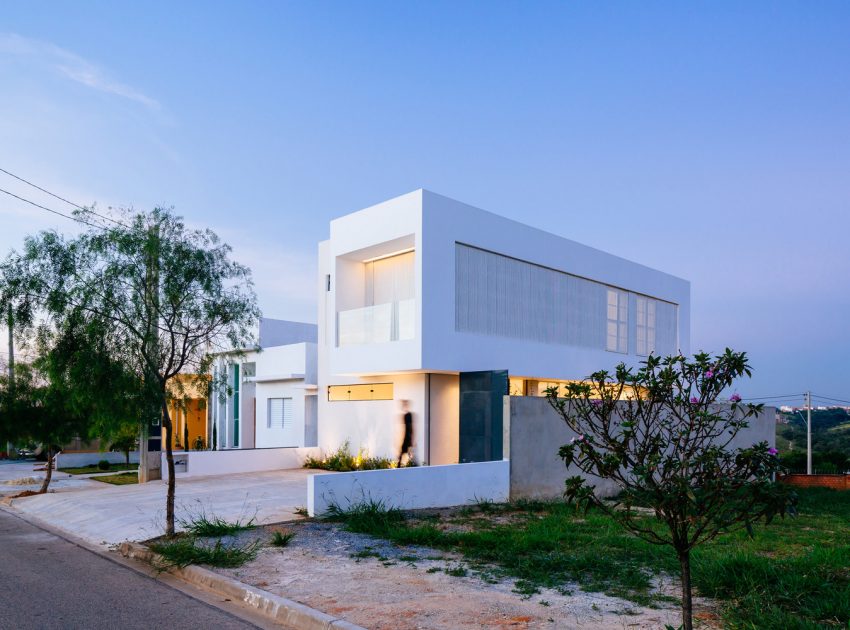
666, 437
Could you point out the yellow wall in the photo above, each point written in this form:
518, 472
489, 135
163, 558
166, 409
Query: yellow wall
193, 411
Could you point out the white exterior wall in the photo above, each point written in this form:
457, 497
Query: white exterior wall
235, 461
446, 222
411, 488
433, 226
281, 372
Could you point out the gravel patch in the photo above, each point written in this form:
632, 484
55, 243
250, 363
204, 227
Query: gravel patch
377, 584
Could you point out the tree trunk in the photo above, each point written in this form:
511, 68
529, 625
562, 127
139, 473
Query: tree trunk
169, 458
687, 603
127, 457
49, 473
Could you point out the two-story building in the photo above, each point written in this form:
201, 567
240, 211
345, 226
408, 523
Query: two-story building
432, 301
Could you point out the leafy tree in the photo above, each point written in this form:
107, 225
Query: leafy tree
662, 436
36, 410
126, 441
151, 296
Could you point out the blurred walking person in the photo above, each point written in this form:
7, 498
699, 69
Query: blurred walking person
407, 418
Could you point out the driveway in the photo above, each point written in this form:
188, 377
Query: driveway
103, 514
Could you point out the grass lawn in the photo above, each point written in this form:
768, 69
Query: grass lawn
121, 479
794, 573
87, 470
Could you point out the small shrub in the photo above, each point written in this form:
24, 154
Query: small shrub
103, 464
199, 444
282, 538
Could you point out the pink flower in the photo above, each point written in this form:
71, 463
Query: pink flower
772, 451
578, 438
596, 403
735, 398
694, 400
709, 374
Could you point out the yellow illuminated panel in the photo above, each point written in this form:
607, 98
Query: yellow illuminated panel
366, 391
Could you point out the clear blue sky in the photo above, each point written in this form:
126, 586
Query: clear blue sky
710, 140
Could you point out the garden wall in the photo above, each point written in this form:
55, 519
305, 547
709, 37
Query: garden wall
836, 482
411, 488
79, 459
231, 462
534, 432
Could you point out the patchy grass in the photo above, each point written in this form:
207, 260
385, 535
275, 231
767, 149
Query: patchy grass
87, 470
187, 550
281, 538
794, 573
121, 479
203, 525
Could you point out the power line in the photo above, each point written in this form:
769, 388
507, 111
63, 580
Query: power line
44, 190
38, 205
841, 400
788, 396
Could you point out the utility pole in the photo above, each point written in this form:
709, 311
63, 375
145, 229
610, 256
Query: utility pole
808, 433
150, 438
10, 323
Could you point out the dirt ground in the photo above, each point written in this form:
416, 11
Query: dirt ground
380, 586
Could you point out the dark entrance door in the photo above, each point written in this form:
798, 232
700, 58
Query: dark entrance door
481, 415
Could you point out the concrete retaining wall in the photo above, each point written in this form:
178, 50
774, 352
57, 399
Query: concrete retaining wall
76, 460
536, 431
210, 463
411, 488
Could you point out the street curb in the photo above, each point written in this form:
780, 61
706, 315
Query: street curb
279, 609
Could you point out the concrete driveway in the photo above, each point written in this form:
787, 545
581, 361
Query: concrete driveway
103, 514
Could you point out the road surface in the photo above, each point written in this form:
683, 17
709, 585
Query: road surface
48, 582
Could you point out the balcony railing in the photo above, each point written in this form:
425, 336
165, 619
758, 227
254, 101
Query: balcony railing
393, 321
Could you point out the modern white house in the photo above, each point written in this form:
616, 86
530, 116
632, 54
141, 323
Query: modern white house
426, 299
270, 397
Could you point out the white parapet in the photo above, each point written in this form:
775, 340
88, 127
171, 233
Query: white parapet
230, 462
411, 488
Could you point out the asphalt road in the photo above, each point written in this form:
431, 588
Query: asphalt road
48, 582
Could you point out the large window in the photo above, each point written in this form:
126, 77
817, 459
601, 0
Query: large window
280, 413
618, 321
368, 391
645, 328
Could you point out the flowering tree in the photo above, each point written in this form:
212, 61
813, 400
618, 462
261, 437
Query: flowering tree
663, 436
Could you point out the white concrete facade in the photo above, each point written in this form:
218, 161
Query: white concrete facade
411, 488
278, 379
418, 289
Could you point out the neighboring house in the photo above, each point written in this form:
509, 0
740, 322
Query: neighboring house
270, 394
188, 411
426, 299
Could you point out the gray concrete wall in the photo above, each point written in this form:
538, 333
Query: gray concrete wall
536, 432
281, 332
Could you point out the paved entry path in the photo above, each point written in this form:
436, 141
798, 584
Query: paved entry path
47, 582
105, 515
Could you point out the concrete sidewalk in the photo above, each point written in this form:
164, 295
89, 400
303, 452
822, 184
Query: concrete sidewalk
16, 476
104, 515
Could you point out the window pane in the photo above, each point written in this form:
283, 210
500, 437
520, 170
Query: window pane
365, 391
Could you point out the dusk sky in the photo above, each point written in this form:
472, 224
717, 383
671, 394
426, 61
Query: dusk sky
708, 140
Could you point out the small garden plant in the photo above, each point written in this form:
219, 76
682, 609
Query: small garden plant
342, 460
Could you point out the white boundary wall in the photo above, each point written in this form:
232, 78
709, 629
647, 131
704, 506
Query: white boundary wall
411, 488
211, 463
74, 460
